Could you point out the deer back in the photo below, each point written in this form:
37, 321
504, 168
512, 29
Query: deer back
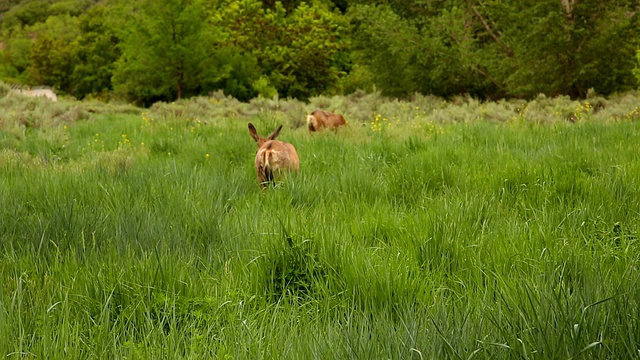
320, 119
274, 157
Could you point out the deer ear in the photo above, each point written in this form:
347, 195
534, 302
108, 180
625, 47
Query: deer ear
275, 133
253, 132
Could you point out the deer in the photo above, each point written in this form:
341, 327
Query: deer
274, 157
320, 118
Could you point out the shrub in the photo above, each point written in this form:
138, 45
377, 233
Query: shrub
4, 89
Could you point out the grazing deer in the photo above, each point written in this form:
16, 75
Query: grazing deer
320, 118
274, 157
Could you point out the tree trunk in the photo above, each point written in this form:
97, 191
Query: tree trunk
180, 84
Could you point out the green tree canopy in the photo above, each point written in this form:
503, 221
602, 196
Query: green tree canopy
16, 56
498, 48
145, 50
301, 54
96, 52
52, 60
26, 13
166, 51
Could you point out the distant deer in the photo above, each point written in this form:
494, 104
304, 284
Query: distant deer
274, 157
320, 118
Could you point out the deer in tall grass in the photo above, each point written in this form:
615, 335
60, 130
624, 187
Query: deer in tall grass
274, 157
320, 118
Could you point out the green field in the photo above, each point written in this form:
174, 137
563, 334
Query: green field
424, 230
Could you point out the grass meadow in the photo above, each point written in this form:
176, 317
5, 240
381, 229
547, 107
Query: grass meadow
426, 229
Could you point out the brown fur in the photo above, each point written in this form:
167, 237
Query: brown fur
274, 157
323, 119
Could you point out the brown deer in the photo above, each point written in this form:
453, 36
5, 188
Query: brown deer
320, 118
274, 157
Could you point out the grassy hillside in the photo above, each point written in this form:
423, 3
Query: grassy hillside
425, 229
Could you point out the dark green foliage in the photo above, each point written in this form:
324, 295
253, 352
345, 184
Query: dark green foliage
570, 48
636, 69
293, 269
16, 57
166, 50
95, 53
23, 13
6, 6
301, 53
4, 89
52, 60
498, 49
238, 72
146, 51
26, 13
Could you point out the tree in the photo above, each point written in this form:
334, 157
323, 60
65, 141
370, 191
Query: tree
166, 51
16, 56
301, 54
636, 70
564, 46
95, 53
238, 74
413, 55
39, 42
26, 13
318, 51
496, 49
52, 60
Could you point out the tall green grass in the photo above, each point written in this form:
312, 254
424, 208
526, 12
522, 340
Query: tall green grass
146, 235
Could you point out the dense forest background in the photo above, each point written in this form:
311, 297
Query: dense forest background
145, 51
